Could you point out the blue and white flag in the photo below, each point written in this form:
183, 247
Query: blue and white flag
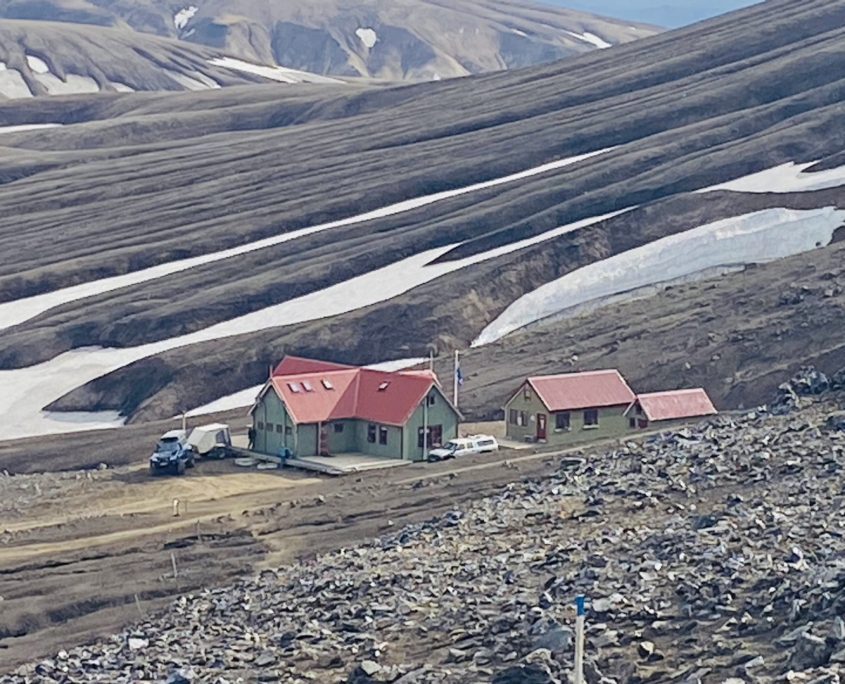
459, 375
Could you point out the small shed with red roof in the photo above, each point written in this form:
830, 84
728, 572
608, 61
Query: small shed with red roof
317, 408
569, 408
664, 408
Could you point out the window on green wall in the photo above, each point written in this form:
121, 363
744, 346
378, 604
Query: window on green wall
382, 435
338, 427
513, 417
259, 425
562, 422
371, 433
280, 428
591, 418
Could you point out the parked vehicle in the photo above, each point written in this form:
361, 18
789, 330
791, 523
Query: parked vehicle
172, 454
211, 441
464, 446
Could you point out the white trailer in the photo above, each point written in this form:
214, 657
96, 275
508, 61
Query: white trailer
211, 441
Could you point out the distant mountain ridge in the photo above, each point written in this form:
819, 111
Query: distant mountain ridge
383, 39
46, 58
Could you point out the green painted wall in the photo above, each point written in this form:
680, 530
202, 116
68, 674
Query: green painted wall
343, 442
392, 449
439, 413
306, 440
270, 414
611, 422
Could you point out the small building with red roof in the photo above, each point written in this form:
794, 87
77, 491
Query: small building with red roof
316, 408
569, 408
658, 409
580, 407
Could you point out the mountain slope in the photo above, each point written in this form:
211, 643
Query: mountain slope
385, 39
48, 58
276, 225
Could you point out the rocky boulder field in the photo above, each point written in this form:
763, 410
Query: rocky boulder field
708, 554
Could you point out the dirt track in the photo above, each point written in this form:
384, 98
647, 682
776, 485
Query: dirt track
86, 557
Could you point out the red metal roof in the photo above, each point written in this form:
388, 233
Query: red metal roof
591, 389
382, 397
294, 365
676, 404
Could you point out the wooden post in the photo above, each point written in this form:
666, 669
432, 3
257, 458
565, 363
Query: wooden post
173, 563
175, 508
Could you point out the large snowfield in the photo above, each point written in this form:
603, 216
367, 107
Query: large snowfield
752, 238
21, 310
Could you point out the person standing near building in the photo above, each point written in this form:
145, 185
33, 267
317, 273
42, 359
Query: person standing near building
251, 436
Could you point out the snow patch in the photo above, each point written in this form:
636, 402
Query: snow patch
28, 390
397, 365
519, 33
27, 127
12, 83
230, 402
790, 177
752, 238
368, 37
37, 65
599, 42
193, 82
121, 87
183, 16
204, 79
71, 85
273, 73
591, 38
17, 311
61, 422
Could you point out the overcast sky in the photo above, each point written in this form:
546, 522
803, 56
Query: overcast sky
669, 13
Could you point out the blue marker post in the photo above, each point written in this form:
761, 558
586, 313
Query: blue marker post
580, 617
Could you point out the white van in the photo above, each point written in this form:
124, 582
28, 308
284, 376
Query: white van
464, 446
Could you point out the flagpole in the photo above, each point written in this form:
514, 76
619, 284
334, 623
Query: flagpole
431, 360
455, 378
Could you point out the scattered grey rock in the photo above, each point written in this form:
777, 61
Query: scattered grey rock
710, 553
370, 667
810, 651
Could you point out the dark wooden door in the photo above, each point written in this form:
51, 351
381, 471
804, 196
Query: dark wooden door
541, 427
323, 441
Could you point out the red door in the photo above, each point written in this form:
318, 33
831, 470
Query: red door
541, 427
